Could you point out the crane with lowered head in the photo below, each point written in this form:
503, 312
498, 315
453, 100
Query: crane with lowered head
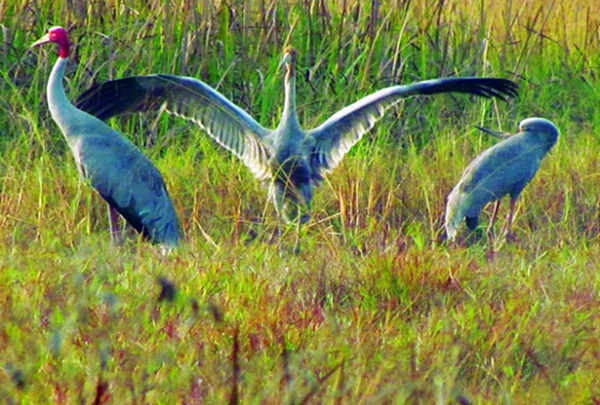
505, 168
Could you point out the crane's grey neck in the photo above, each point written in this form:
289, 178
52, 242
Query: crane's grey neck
60, 106
290, 118
551, 140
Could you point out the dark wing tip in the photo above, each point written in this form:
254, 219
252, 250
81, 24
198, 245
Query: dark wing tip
495, 87
115, 97
487, 87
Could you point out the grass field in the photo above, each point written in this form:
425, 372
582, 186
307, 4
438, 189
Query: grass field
374, 309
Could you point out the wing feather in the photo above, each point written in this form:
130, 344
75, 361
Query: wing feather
191, 99
130, 183
344, 129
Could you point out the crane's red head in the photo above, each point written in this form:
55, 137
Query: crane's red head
59, 36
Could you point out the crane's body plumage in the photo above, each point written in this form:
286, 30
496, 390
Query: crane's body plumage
116, 168
505, 168
292, 161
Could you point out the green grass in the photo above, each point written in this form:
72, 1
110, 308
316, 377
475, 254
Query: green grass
374, 309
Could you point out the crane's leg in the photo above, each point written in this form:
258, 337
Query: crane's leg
292, 212
297, 238
302, 213
114, 219
276, 195
510, 236
490, 230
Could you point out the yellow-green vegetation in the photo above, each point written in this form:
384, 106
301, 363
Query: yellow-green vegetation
374, 309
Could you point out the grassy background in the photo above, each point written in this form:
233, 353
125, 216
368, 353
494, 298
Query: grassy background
374, 309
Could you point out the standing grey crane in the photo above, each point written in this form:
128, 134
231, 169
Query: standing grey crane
128, 181
292, 161
505, 168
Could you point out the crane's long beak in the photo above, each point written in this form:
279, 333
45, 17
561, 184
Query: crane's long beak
43, 40
496, 134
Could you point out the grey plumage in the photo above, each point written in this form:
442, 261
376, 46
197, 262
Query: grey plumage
290, 160
505, 168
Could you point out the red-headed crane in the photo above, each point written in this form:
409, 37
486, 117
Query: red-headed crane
128, 181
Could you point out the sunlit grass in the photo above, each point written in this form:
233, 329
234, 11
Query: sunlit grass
374, 309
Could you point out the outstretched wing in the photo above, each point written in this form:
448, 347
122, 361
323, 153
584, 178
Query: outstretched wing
338, 134
191, 99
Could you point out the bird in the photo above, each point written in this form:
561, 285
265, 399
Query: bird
505, 168
290, 160
128, 181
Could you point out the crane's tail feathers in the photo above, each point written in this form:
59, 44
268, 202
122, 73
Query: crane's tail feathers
454, 214
451, 230
453, 221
